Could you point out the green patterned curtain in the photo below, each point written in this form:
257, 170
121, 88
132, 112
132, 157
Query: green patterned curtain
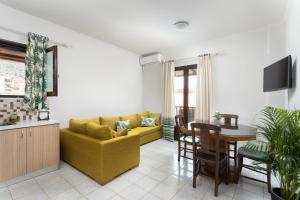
36, 72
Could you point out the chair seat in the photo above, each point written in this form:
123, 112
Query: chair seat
253, 154
189, 139
206, 156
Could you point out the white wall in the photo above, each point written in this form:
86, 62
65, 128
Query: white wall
276, 50
153, 90
293, 48
95, 78
237, 72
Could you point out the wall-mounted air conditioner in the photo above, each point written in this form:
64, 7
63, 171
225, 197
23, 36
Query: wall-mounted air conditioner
150, 59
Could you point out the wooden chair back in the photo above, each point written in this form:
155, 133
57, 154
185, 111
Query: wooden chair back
179, 119
228, 120
209, 136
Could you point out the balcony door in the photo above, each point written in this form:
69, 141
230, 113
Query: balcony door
185, 91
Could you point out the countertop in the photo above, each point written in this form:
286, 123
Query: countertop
28, 123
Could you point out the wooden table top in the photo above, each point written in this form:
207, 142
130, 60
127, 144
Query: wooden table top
231, 133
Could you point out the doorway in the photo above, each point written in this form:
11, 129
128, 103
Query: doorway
185, 91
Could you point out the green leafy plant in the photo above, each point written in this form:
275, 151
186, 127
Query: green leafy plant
13, 116
282, 130
217, 115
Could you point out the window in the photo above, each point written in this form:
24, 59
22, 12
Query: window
185, 91
12, 69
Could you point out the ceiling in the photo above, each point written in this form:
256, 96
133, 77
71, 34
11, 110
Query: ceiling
145, 26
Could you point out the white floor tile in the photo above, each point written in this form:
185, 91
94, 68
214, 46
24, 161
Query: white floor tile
68, 195
165, 192
57, 188
150, 196
24, 189
147, 183
87, 187
102, 193
158, 177
118, 184
5, 194
133, 192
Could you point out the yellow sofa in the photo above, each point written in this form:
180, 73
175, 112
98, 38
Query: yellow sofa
104, 160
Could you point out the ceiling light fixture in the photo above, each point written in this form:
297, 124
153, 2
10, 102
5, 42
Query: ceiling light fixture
181, 24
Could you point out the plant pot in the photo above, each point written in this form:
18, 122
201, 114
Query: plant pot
13, 121
217, 121
276, 194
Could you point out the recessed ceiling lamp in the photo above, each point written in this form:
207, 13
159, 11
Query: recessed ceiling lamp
181, 24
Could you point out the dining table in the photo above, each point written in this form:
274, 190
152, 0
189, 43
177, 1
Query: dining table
228, 133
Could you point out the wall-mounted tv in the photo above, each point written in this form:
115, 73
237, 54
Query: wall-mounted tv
278, 76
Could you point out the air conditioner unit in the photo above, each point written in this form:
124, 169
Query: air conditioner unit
150, 59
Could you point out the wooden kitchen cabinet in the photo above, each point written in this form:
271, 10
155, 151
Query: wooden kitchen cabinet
26, 150
12, 154
42, 147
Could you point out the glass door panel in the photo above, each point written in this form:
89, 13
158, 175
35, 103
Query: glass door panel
185, 91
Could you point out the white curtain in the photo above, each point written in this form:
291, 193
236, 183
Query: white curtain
168, 106
204, 88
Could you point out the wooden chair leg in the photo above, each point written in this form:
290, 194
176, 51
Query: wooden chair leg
228, 155
217, 180
239, 169
269, 177
194, 172
235, 151
227, 174
179, 149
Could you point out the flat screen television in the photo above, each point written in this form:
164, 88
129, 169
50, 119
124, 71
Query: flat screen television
278, 76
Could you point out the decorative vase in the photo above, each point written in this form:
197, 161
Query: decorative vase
276, 194
217, 121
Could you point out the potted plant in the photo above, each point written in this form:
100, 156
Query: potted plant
217, 117
282, 130
13, 118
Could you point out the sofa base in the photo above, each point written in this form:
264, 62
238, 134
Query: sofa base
150, 137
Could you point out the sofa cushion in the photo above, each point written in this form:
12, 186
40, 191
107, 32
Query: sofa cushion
132, 118
94, 119
148, 121
157, 116
101, 132
144, 130
122, 125
120, 133
140, 115
78, 125
110, 121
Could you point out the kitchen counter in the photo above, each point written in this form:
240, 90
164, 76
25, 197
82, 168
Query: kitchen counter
28, 123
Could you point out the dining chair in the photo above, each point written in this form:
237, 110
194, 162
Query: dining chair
184, 136
259, 154
232, 146
208, 152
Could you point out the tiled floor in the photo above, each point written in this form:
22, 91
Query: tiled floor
158, 177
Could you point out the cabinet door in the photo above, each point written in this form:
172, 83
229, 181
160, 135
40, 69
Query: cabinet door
12, 153
51, 146
42, 147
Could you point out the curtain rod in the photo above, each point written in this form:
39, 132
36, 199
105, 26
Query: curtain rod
189, 58
25, 34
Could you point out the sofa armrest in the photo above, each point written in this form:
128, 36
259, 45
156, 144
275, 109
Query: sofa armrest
119, 155
81, 151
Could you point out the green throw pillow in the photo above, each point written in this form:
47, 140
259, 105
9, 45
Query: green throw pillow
148, 121
121, 125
